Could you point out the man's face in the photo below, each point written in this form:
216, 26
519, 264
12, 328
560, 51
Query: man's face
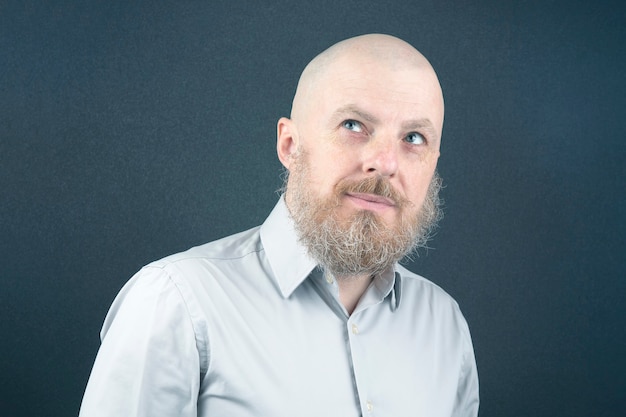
367, 152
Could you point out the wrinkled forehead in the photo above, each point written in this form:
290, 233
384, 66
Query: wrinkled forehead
400, 72
395, 88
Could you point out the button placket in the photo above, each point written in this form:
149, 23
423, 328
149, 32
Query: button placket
357, 328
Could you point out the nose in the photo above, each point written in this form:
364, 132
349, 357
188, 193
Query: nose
381, 157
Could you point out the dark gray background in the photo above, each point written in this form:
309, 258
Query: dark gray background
129, 131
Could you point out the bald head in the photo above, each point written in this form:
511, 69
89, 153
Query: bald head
372, 51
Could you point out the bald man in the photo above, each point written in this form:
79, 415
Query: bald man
310, 313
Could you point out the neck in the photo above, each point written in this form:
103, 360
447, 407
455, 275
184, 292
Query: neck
351, 288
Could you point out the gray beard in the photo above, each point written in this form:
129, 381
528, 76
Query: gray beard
362, 244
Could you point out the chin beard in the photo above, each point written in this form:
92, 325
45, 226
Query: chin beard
363, 243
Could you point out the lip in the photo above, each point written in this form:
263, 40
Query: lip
370, 201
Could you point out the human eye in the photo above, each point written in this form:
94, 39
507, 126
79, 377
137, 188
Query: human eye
352, 125
415, 138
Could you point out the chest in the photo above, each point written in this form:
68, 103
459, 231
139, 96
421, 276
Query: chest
296, 356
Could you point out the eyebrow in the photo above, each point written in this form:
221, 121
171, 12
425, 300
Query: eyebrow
417, 124
421, 124
352, 109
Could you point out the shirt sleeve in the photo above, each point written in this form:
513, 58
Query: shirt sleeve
148, 363
467, 397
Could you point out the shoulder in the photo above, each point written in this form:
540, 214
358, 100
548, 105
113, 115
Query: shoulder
429, 299
416, 285
188, 273
233, 247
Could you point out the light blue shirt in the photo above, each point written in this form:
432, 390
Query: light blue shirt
248, 326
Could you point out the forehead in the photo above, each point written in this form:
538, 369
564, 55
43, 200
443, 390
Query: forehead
386, 91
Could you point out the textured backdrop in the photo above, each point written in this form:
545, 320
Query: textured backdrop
132, 130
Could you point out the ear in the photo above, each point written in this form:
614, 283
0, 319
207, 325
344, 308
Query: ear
287, 140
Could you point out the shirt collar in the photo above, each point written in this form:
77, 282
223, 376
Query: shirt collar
396, 293
289, 260
388, 283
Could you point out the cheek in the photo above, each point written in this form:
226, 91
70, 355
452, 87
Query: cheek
331, 166
417, 184
319, 178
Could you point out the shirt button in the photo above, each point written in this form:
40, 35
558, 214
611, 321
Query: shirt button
369, 406
355, 330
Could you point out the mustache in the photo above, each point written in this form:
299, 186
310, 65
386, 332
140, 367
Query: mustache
377, 185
